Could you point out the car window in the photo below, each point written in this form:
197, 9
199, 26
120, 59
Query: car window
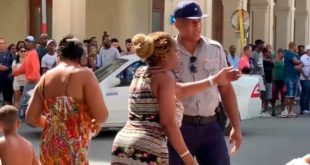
102, 73
127, 74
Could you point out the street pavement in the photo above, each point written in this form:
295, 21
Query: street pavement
273, 141
266, 141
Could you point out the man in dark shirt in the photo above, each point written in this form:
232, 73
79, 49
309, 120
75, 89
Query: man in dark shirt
268, 68
42, 50
301, 50
6, 83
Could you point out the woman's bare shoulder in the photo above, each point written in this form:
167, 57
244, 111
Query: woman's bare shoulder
163, 78
61, 73
84, 70
75, 70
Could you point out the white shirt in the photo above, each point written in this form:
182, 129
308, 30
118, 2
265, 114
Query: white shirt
21, 78
305, 59
48, 61
210, 60
107, 56
233, 61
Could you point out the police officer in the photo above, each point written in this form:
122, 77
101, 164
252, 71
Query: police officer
201, 57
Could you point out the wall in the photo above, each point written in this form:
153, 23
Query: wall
69, 18
120, 18
14, 20
230, 36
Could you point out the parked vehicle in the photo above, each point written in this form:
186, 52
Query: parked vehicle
114, 81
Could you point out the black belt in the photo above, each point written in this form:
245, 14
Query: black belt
199, 120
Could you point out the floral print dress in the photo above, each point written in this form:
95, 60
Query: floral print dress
67, 132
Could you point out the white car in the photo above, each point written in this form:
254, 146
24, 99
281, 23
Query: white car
114, 81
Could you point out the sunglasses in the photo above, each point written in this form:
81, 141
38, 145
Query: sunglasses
193, 67
23, 51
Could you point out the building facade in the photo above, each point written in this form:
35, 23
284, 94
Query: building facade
277, 22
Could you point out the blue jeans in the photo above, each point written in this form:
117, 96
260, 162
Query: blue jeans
24, 99
305, 95
205, 142
291, 87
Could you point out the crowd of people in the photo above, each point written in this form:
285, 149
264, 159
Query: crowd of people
22, 65
63, 103
170, 109
285, 74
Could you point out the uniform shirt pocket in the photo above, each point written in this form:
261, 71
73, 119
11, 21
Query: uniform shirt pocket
211, 68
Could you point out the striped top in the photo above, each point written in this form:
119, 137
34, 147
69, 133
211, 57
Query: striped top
142, 140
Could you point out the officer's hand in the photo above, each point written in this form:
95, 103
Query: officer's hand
226, 75
235, 140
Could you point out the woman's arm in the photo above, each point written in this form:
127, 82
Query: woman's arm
163, 86
93, 97
34, 110
226, 75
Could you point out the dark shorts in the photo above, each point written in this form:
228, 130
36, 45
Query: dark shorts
291, 87
6, 89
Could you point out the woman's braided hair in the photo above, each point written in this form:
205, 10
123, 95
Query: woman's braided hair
153, 47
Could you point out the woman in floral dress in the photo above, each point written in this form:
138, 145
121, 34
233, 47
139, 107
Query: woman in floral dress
153, 98
68, 105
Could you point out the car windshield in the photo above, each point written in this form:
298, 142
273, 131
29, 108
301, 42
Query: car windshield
102, 73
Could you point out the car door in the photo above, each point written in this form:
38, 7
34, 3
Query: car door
117, 96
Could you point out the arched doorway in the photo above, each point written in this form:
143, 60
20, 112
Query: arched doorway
217, 20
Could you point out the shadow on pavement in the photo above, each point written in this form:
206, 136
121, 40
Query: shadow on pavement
105, 134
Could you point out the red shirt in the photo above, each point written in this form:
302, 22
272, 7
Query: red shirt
244, 62
30, 67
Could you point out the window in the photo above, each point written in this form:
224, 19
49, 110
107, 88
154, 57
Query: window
103, 73
127, 75
36, 17
158, 15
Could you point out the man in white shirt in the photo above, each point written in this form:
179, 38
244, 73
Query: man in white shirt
200, 57
305, 82
107, 54
49, 59
232, 58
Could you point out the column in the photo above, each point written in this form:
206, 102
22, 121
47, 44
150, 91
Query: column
134, 16
206, 8
302, 22
261, 26
284, 23
230, 37
69, 17
169, 7
14, 25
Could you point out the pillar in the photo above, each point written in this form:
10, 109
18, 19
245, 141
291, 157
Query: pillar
284, 23
134, 16
14, 20
230, 36
260, 17
302, 22
69, 17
